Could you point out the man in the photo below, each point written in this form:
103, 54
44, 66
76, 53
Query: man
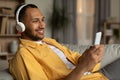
40, 58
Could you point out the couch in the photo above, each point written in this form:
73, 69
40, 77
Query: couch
112, 52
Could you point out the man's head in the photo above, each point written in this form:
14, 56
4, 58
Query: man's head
33, 20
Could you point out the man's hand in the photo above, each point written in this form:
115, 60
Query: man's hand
86, 62
91, 57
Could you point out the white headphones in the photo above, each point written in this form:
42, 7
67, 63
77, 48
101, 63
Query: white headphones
20, 26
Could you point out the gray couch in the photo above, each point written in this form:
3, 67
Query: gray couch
4, 72
112, 52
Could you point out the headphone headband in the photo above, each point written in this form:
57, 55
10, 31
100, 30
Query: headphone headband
18, 11
20, 26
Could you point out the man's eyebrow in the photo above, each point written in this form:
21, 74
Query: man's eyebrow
37, 17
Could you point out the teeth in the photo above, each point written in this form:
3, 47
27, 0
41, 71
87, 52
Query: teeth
41, 31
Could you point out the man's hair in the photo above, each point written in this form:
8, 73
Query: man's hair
23, 10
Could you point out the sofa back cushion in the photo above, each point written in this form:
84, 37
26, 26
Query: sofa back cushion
111, 53
3, 64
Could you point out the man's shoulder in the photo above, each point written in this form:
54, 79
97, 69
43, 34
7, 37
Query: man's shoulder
52, 42
22, 48
49, 39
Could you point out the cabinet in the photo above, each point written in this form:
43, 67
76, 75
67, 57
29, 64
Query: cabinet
8, 32
111, 33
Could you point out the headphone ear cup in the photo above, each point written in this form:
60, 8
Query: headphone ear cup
20, 27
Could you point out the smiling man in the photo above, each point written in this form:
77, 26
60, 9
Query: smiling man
34, 23
40, 58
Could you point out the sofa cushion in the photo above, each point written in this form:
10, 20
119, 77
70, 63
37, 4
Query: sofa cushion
5, 75
112, 71
3, 64
77, 48
111, 53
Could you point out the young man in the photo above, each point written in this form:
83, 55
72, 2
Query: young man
40, 58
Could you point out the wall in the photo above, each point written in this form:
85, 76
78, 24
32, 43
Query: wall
46, 8
115, 9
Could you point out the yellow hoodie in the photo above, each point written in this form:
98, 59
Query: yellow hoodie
38, 62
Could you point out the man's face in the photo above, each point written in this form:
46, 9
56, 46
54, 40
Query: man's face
34, 22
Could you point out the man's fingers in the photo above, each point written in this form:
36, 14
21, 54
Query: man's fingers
93, 48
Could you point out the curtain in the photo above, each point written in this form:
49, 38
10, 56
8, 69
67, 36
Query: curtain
102, 12
64, 21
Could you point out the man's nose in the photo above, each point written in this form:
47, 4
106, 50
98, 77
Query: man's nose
42, 24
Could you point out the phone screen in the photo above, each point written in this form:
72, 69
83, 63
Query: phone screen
98, 38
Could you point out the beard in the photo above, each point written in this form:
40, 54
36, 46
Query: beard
29, 34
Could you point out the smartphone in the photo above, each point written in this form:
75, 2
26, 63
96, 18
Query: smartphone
98, 38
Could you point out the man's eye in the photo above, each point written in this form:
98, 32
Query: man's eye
43, 19
35, 21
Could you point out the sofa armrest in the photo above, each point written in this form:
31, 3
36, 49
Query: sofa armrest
111, 54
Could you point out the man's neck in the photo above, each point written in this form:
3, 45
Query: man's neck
39, 42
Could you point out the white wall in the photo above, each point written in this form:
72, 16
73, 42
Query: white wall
46, 8
115, 9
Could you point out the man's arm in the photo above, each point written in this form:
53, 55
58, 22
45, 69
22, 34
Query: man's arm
86, 62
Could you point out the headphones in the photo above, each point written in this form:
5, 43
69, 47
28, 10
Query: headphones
20, 26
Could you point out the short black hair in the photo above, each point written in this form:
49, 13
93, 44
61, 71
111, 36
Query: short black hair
23, 10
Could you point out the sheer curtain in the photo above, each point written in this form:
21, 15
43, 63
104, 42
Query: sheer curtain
85, 21
66, 34
90, 17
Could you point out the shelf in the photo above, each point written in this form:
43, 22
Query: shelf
5, 15
6, 56
118, 23
111, 38
10, 35
8, 32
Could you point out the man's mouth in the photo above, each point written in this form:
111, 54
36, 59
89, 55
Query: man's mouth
40, 31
